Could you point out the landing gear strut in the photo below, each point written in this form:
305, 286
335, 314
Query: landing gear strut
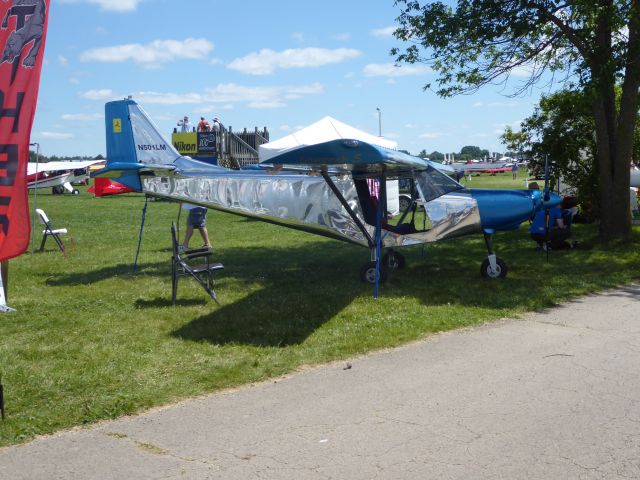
492, 266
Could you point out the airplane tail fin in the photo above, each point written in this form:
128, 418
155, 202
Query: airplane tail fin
134, 143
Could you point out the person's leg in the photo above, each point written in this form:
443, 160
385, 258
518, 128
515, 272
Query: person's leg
187, 235
205, 236
539, 239
558, 238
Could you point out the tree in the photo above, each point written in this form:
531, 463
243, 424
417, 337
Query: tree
595, 44
561, 130
473, 152
436, 156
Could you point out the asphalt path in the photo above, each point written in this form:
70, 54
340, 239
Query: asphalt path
552, 395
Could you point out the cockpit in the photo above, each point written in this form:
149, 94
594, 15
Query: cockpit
414, 190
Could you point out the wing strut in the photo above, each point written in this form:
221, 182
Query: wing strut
348, 208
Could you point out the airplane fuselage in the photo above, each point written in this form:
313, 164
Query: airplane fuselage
307, 203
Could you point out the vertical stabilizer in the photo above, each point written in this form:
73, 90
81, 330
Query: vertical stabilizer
133, 142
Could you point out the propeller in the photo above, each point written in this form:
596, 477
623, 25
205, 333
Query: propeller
546, 197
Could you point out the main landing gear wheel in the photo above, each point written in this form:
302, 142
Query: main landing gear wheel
404, 202
75, 191
499, 272
393, 260
368, 273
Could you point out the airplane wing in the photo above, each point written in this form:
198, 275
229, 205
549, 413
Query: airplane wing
481, 167
356, 157
32, 167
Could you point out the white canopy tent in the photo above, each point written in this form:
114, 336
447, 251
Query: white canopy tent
325, 130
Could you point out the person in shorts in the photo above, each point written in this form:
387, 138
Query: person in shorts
197, 219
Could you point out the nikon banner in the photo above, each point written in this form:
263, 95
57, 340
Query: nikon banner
201, 144
22, 37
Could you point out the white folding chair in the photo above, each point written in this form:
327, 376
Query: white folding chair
49, 231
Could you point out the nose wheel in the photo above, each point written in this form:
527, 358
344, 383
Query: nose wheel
497, 271
393, 260
493, 266
368, 273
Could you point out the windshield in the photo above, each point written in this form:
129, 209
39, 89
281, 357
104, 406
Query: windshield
433, 184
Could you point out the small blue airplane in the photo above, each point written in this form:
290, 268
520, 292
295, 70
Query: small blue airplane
337, 189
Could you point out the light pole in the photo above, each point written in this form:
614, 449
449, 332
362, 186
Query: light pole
35, 190
379, 122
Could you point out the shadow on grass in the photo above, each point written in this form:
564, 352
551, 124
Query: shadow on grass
299, 289
291, 291
302, 288
166, 302
121, 270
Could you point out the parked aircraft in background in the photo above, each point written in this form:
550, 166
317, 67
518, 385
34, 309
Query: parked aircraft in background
324, 188
104, 186
482, 167
59, 176
635, 177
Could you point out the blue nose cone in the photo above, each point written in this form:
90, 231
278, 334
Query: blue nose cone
554, 200
507, 209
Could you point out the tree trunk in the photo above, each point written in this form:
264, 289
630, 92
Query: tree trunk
613, 140
626, 121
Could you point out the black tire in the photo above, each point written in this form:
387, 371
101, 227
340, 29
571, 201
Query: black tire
75, 191
393, 260
57, 190
501, 269
368, 273
404, 202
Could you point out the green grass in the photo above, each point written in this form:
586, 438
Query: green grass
499, 180
91, 340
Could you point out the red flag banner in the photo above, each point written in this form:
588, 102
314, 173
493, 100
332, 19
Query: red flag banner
22, 35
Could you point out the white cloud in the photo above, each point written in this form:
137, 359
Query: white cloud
523, 71
63, 61
102, 94
432, 135
385, 32
266, 61
409, 125
392, 70
269, 104
82, 117
56, 135
255, 97
214, 108
151, 54
496, 104
341, 37
110, 5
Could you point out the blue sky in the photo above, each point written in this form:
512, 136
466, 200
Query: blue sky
281, 64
